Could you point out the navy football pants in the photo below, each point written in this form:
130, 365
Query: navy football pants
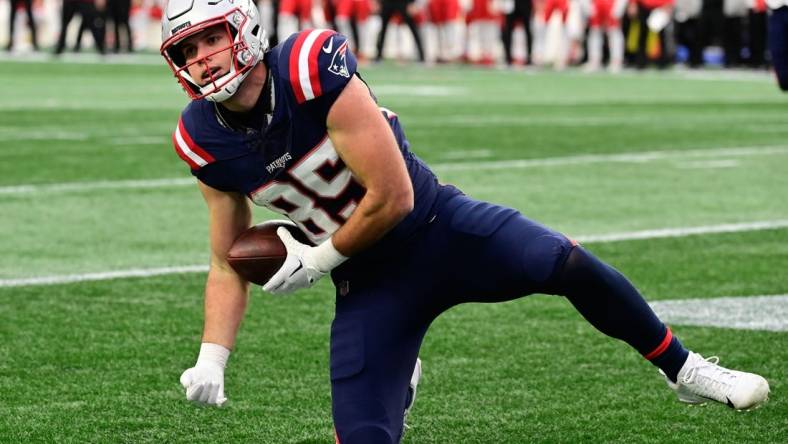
778, 44
470, 252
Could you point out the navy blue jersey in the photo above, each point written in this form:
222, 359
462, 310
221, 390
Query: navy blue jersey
778, 43
287, 163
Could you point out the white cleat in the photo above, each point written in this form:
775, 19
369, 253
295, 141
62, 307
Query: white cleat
701, 380
414, 383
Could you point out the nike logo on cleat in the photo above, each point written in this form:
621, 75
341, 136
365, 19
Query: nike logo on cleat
729, 403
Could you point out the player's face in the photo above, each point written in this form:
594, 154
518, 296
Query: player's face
211, 51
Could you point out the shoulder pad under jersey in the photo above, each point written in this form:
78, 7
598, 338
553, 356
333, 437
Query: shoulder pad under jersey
200, 139
316, 62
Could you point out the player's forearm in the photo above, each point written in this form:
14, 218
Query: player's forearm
376, 215
226, 296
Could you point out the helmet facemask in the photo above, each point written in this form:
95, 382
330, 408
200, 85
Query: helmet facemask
246, 49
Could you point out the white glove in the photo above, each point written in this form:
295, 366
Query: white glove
204, 383
304, 265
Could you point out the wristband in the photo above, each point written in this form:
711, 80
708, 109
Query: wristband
327, 257
213, 353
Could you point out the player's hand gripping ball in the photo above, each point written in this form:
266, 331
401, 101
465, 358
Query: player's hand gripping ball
258, 253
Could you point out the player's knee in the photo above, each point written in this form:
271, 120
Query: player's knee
581, 271
366, 434
544, 255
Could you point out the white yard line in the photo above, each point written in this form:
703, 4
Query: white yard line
641, 157
98, 185
466, 154
684, 231
420, 91
470, 120
102, 276
87, 58
709, 164
717, 154
140, 140
611, 237
746, 313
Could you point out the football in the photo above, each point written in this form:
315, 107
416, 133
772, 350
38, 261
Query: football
258, 252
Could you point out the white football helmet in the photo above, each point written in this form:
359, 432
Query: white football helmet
184, 18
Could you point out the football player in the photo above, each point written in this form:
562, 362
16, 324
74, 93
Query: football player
514, 10
295, 15
483, 32
605, 15
778, 40
295, 128
544, 10
403, 9
445, 17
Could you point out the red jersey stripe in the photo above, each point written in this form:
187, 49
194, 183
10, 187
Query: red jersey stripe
314, 53
180, 152
196, 149
293, 67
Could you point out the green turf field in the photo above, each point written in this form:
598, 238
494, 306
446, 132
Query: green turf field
90, 184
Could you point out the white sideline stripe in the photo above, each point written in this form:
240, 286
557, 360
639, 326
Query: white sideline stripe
102, 276
98, 185
88, 58
746, 313
640, 157
467, 154
613, 237
685, 231
427, 91
709, 164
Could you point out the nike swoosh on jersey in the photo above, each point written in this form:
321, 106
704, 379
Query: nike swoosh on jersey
327, 49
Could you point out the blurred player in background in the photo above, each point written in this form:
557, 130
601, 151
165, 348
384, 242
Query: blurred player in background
652, 16
404, 9
297, 14
118, 11
734, 11
688, 29
297, 130
544, 12
516, 11
445, 17
92, 15
757, 33
31, 22
350, 13
605, 15
483, 32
